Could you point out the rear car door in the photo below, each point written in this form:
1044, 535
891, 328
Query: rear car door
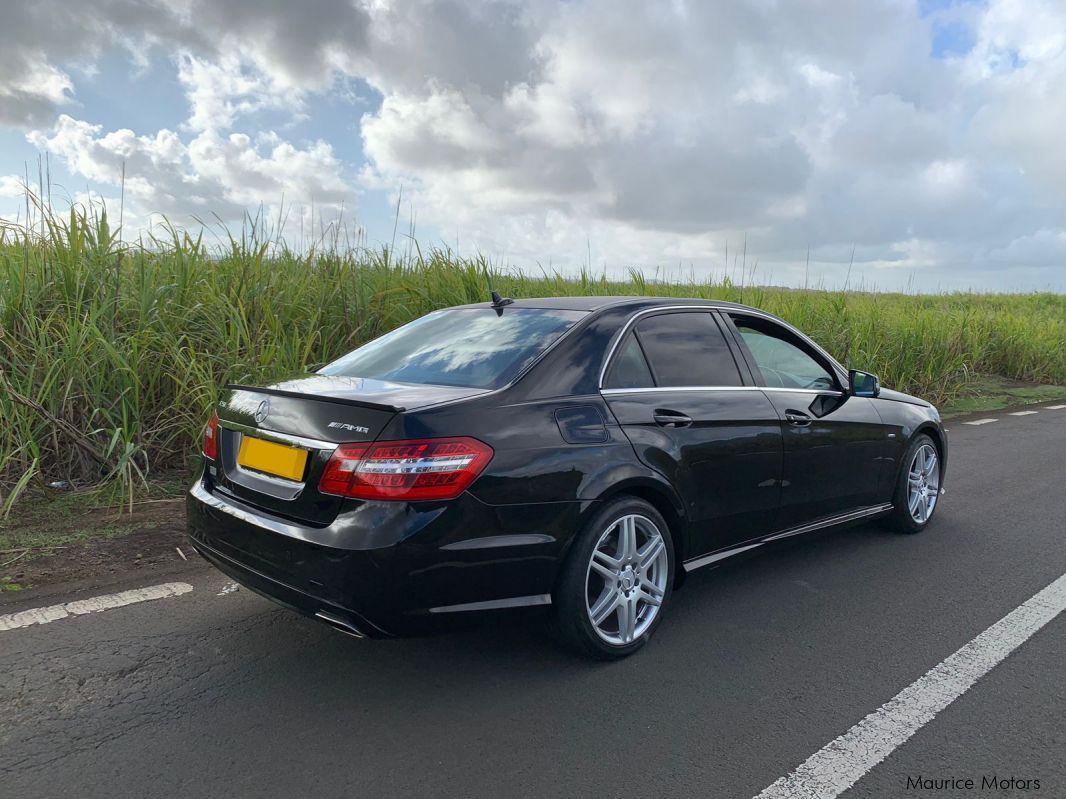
676, 389
834, 444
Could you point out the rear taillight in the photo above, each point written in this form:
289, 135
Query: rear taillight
211, 438
430, 468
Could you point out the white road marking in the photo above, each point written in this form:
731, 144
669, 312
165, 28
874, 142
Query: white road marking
82, 606
1054, 407
1023, 413
842, 762
981, 421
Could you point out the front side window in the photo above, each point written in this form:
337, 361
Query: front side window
783, 363
687, 349
474, 347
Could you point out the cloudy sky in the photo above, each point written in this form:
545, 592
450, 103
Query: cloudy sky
927, 138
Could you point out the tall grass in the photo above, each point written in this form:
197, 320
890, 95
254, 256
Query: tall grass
111, 355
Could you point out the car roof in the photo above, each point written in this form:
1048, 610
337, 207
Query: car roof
633, 304
599, 303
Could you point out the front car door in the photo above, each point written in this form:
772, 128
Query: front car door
676, 389
834, 443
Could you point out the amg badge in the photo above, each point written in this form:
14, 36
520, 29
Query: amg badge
355, 428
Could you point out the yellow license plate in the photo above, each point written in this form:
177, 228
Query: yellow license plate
275, 459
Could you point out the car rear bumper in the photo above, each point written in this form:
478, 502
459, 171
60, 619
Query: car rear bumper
288, 596
385, 569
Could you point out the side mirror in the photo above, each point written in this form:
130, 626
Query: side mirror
863, 384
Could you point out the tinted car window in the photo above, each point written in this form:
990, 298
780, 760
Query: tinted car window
687, 349
783, 364
458, 347
630, 369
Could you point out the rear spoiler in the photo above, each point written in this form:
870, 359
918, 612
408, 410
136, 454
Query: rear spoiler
277, 392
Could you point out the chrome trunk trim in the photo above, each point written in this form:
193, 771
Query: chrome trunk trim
279, 438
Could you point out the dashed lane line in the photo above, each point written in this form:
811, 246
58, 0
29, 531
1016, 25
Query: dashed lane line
1023, 413
1054, 407
842, 762
981, 421
45, 615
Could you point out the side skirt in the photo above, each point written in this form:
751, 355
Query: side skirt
829, 521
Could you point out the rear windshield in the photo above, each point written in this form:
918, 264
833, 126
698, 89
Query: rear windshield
472, 347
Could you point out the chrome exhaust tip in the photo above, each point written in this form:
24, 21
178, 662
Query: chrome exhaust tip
337, 623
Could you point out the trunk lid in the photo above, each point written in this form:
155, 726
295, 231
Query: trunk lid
301, 420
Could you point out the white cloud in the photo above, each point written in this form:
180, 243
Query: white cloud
249, 172
30, 87
212, 174
297, 46
660, 131
656, 132
219, 92
12, 186
1017, 69
232, 60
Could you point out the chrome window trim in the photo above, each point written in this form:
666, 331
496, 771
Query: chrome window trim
632, 321
728, 309
658, 389
833, 392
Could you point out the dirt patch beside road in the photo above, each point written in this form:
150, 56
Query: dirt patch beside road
95, 544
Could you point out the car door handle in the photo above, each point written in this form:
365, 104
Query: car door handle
797, 418
667, 418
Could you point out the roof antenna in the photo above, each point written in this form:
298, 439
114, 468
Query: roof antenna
499, 303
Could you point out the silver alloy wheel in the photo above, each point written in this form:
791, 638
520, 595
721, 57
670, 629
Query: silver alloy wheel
626, 579
923, 483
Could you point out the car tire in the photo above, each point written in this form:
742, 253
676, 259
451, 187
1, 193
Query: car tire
620, 573
917, 491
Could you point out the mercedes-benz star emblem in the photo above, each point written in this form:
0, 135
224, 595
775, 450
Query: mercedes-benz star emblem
262, 411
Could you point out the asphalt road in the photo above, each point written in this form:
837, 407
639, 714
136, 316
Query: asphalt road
760, 663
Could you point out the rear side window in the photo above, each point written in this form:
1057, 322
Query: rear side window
630, 369
472, 347
687, 349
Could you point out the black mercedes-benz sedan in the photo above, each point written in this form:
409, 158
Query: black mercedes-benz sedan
581, 452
